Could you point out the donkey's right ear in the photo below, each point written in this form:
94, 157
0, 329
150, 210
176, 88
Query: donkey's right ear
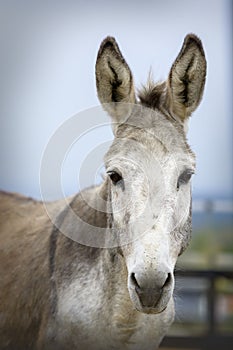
187, 78
114, 81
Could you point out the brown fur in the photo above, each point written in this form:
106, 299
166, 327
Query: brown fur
30, 246
24, 287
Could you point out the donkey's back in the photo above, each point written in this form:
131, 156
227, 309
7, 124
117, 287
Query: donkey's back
24, 236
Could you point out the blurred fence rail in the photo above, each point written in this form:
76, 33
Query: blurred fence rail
213, 205
212, 337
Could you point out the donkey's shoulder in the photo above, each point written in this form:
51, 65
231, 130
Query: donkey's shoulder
13, 197
19, 215
16, 204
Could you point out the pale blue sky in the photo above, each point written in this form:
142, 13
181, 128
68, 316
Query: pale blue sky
48, 52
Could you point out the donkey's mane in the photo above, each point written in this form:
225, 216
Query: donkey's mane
151, 94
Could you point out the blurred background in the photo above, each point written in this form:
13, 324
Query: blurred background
47, 60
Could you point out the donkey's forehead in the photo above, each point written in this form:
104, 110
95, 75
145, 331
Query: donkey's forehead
151, 127
154, 131
143, 145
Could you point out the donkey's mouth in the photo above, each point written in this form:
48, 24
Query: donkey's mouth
159, 307
150, 301
151, 310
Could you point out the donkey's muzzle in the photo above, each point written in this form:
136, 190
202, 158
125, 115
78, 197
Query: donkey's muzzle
153, 292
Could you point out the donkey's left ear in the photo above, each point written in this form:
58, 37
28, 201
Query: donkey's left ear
187, 78
114, 81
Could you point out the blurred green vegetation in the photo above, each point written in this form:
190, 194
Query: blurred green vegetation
213, 241
211, 245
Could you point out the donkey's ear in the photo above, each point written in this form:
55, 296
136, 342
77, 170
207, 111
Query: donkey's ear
187, 78
114, 81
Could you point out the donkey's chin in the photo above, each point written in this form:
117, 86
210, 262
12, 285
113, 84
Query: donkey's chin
155, 307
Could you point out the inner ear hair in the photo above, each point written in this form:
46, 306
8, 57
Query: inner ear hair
187, 78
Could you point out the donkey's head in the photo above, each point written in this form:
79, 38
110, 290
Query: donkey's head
149, 166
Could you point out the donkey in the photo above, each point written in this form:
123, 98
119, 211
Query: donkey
57, 293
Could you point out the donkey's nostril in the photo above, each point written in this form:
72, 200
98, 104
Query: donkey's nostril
134, 281
168, 280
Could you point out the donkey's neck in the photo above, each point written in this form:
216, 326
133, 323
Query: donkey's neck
108, 263
85, 218
91, 205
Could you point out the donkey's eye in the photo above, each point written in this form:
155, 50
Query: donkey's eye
184, 178
114, 176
